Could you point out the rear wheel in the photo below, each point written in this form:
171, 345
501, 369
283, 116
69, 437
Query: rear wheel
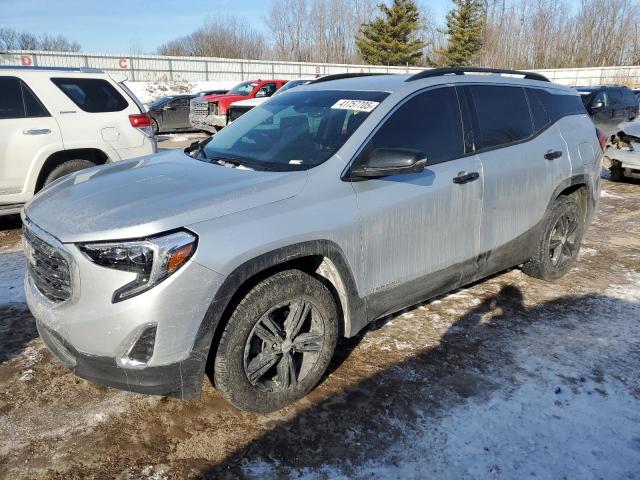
560, 242
278, 342
66, 168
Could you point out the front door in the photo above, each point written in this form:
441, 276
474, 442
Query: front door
176, 114
420, 231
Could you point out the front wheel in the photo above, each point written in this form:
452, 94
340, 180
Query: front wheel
278, 342
616, 173
560, 241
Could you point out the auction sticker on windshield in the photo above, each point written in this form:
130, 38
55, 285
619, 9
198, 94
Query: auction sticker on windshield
357, 105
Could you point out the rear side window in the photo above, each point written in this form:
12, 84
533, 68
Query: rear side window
628, 96
548, 107
503, 115
429, 122
18, 101
92, 94
615, 96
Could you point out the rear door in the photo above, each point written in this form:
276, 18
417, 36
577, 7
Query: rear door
27, 132
522, 166
419, 231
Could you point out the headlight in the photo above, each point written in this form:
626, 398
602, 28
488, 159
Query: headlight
152, 259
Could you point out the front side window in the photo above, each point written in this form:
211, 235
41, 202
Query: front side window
244, 89
429, 122
296, 131
503, 115
92, 94
615, 96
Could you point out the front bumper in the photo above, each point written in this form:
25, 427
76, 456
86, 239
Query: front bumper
93, 336
173, 380
209, 122
628, 157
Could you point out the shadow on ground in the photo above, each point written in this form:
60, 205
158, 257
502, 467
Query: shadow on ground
473, 360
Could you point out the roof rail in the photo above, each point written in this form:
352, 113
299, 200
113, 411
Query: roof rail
55, 69
340, 76
438, 72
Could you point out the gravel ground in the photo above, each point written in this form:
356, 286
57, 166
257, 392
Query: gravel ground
510, 377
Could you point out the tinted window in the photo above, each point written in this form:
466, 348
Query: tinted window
429, 122
548, 107
32, 105
503, 115
269, 88
180, 102
540, 115
615, 96
11, 105
92, 94
628, 96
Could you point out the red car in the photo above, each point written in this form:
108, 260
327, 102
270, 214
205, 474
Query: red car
209, 112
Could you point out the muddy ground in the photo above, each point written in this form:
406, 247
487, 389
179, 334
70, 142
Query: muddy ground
509, 378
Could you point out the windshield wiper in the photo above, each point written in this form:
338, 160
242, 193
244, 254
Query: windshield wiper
231, 163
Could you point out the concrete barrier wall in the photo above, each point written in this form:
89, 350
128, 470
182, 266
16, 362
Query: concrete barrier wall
158, 68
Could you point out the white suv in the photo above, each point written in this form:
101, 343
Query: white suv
55, 121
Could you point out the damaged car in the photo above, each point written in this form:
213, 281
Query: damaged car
622, 156
246, 258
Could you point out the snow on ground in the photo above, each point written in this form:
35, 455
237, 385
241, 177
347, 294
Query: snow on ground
148, 92
11, 275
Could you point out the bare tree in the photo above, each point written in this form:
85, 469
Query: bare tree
11, 39
226, 37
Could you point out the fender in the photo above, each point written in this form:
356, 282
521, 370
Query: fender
578, 179
354, 308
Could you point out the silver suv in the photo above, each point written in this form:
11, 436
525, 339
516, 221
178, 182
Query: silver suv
327, 207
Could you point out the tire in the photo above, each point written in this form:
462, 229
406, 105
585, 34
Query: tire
66, 168
616, 173
564, 228
263, 376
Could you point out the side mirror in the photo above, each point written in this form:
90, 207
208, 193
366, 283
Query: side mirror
261, 93
597, 105
383, 162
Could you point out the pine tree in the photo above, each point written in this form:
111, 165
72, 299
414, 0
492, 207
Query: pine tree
465, 24
392, 38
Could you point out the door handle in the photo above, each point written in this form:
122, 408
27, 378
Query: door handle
553, 154
464, 177
36, 131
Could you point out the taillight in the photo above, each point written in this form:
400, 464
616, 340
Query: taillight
142, 121
602, 138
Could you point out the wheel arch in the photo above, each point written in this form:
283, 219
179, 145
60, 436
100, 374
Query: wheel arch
581, 188
94, 155
323, 259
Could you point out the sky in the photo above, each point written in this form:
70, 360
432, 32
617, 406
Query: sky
131, 26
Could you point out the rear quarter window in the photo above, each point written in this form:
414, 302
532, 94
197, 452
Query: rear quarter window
92, 95
503, 115
551, 107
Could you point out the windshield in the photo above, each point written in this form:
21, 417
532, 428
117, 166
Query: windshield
296, 131
243, 89
290, 85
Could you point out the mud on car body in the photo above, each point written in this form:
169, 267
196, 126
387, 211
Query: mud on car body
302, 221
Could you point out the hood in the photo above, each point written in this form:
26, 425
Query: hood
149, 195
252, 102
630, 128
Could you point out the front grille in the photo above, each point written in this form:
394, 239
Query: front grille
47, 268
237, 112
200, 108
